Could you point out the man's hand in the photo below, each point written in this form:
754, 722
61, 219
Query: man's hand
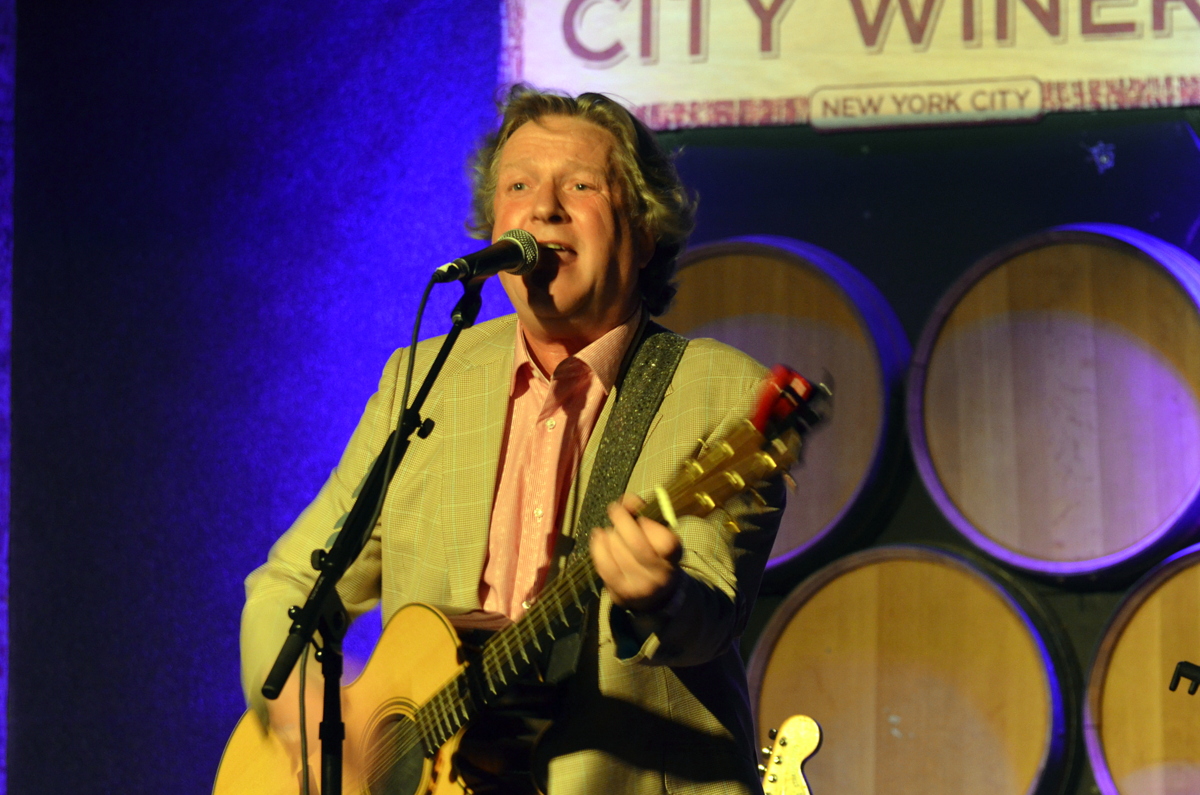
638, 559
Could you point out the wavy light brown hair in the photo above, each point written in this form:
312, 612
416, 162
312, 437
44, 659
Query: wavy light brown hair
658, 204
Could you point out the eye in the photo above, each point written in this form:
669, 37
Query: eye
581, 186
518, 186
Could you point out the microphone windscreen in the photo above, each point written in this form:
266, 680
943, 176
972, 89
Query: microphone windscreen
529, 250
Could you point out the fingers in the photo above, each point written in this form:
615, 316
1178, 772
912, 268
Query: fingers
645, 540
637, 559
632, 503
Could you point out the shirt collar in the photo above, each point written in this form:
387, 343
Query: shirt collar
603, 357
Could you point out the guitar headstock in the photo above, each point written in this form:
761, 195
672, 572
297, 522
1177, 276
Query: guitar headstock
767, 444
789, 400
783, 772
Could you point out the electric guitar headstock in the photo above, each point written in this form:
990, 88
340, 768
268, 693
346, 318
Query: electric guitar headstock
795, 742
761, 446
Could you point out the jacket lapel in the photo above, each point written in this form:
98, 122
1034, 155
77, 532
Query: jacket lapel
475, 412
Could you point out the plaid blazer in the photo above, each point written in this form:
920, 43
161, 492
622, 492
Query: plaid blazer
670, 715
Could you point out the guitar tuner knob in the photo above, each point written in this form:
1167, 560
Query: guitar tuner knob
782, 742
766, 751
772, 778
772, 733
762, 768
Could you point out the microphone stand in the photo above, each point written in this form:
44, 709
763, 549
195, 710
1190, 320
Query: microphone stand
324, 612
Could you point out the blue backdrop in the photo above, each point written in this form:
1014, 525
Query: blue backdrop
226, 211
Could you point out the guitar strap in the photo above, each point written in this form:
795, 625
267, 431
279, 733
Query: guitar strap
523, 713
639, 394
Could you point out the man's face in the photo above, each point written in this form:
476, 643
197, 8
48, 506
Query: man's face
557, 182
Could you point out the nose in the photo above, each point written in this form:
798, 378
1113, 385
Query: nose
548, 207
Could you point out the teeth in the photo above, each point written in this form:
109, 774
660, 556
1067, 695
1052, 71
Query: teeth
555, 246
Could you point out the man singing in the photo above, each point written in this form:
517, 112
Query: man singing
479, 513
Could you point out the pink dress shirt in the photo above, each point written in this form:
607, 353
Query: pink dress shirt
549, 424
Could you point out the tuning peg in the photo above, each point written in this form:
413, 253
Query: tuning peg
771, 779
766, 751
772, 733
762, 768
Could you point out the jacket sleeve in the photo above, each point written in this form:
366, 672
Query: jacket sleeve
723, 567
287, 576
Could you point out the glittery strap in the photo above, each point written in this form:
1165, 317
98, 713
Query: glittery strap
638, 397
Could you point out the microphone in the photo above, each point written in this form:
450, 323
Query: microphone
516, 252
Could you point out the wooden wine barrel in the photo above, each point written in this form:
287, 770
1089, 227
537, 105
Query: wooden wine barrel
781, 300
926, 676
1053, 402
1143, 739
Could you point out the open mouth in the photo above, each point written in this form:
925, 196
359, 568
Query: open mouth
558, 247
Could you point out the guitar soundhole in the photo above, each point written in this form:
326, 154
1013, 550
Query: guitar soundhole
398, 758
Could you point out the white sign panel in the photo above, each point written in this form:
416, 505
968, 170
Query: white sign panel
845, 64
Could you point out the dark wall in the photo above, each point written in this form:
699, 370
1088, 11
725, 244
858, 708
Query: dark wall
225, 212
914, 209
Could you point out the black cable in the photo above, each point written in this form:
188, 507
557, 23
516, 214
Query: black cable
303, 726
408, 376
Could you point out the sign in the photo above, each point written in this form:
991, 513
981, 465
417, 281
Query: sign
849, 64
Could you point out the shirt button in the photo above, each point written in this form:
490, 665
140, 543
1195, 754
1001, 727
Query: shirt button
550, 425
537, 513
527, 604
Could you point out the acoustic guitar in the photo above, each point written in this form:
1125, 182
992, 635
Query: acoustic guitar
405, 714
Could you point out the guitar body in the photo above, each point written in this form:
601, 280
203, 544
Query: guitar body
415, 658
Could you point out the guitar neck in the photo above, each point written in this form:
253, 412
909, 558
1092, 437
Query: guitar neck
510, 653
722, 470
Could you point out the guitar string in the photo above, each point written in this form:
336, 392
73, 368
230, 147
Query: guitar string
511, 640
434, 720
516, 637
541, 618
576, 579
402, 736
398, 741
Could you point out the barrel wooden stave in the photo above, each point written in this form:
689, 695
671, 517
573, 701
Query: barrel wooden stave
1055, 399
1143, 739
780, 300
925, 675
